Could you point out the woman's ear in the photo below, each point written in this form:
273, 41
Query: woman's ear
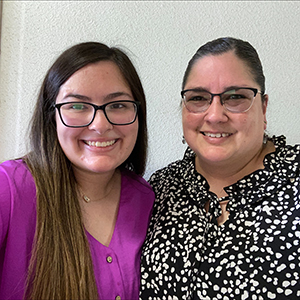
264, 107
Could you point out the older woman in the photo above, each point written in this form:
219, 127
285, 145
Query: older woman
226, 223
74, 211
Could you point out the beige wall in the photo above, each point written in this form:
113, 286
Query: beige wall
160, 37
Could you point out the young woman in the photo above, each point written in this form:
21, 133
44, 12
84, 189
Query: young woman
74, 211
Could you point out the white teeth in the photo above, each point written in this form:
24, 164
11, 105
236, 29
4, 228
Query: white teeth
216, 135
101, 144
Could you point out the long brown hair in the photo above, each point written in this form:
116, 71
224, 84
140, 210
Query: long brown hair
61, 265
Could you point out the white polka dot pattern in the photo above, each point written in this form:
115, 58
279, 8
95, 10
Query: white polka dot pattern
253, 255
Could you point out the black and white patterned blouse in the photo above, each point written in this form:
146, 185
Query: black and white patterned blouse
253, 255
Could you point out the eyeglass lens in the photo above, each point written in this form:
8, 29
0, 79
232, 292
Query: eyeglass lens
238, 100
82, 114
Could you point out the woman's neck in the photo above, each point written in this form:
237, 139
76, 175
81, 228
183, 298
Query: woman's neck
96, 187
100, 205
220, 175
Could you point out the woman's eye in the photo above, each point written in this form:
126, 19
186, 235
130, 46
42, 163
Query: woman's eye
197, 98
117, 106
236, 96
77, 106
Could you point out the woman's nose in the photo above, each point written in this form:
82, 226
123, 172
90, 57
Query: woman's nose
216, 111
100, 123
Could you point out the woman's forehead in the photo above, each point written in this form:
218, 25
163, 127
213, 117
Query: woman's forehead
223, 69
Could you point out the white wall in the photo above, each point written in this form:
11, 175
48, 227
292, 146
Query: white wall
160, 37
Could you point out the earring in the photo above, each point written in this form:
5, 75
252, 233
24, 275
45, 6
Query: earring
183, 140
265, 139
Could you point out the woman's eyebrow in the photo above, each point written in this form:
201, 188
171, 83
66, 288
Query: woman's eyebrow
77, 96
107, 97
228, 88
198, 89
233, 87
116, 95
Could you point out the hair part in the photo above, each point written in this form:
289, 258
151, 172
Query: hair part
61, 266
242, 49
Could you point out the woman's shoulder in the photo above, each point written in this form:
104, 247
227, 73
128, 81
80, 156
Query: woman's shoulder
136, 181
176, 169
12, 163
14, 174
284, 162
167, 171
280, 143
285, 152
17, 194
12, 168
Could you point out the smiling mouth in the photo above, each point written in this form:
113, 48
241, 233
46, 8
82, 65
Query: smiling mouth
216, 135
100, 144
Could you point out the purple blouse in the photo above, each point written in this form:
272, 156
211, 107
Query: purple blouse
117, 267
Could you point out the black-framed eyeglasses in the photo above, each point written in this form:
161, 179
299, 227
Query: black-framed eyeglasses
235, 100
82, 114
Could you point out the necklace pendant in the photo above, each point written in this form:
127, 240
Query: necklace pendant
86, 198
